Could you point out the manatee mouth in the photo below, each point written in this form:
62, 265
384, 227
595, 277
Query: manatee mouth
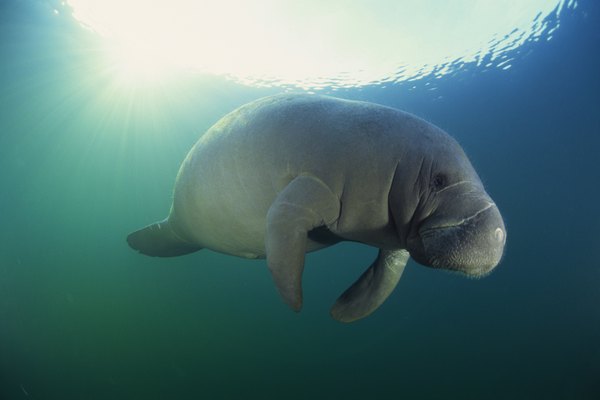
472, 246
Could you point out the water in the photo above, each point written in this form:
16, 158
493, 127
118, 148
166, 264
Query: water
315, 44
85, 160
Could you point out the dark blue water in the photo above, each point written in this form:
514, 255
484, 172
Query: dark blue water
84, 162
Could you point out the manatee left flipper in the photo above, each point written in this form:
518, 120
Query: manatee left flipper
304, 204
372, 288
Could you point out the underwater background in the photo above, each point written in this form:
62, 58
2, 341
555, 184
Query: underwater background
84, 161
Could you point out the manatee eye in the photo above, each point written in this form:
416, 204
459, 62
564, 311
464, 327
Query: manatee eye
439, 181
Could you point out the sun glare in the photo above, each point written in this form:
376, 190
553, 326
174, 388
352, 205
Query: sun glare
314, 43
137, 64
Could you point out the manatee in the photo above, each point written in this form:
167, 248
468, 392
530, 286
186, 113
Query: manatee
289, 174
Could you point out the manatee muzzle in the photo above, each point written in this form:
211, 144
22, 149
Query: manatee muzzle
473, 246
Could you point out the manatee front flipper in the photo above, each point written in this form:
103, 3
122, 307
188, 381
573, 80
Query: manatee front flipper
372, 288
305, 203
159, 240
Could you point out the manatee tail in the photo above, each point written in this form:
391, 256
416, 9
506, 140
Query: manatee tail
159, 240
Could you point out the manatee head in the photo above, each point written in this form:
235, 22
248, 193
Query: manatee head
455, 225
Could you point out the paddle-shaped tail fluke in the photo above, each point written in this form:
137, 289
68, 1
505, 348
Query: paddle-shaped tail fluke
159, 240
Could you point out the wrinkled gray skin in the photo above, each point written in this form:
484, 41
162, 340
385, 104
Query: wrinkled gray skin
289, 174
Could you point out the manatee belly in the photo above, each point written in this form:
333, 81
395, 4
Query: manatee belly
221, 209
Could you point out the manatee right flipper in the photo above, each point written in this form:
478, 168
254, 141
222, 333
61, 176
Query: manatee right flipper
372, 288
159, 240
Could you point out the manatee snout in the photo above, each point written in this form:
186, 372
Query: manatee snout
474, 246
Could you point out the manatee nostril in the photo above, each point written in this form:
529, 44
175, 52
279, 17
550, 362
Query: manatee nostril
499, 235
